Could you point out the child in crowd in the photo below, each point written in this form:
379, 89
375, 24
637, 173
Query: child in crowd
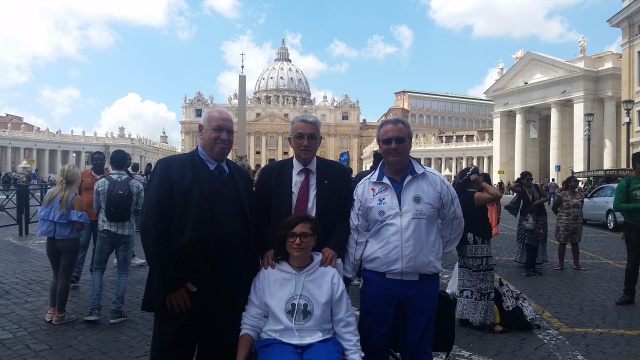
531, 242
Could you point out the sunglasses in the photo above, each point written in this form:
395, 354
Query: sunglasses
397, 140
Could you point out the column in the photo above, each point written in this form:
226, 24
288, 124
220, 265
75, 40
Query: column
475, 161
56, 161
252, 150
611, 129
465, 162
579, 153
442, 164
6, 158
520, 153
265, 139
454, 165
19, 156
597, 135
555, 140
45, 164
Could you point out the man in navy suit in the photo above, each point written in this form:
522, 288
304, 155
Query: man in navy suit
197, 234
329, 193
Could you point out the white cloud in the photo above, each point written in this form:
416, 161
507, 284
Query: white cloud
41, 31
505, 18
338, 48
377, 48
616, 47
489, 79
404, 35
139, 117
227, 8
59, 100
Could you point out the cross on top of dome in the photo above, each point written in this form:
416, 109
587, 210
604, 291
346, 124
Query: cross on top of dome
283, 52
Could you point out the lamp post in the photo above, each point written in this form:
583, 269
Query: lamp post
588, 117
627, 105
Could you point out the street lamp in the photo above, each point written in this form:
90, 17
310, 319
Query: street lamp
627, 105
588, 117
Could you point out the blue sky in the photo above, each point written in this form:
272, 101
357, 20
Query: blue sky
97, 65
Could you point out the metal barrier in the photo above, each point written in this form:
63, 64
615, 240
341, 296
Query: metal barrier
22, 198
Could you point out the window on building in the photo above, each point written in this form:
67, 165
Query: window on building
427, 120
463, 108
198, 112
420, 119
456, 108
413, 103
413, 118
442, 106
345, 142
449, 106
257, 115
286, 116
258, 141
272, 141
345, 115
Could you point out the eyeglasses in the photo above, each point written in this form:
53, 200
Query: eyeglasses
220, 130
397, 140
311, 138
304, 237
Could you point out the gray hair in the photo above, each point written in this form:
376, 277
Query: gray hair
305, 118
205, 115
392, 121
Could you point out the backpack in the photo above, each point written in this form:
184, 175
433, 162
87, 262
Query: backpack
119, 199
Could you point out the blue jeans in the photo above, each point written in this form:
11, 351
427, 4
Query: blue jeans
123, 246
90, 230
273, 349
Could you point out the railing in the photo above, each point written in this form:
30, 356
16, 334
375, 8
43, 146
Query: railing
23, 200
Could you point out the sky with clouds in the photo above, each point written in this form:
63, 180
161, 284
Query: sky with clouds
97, 65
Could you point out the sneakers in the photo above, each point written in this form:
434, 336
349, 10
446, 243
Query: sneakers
356, 282
136, 261
625, 300
118, 317
75, 282
49, 316
63, 319
93, 315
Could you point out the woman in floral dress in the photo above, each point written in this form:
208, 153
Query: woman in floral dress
568, 207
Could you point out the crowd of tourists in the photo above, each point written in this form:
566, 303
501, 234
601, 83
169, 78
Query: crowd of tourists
284, 244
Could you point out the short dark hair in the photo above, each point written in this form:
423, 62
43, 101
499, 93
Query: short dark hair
635, 158
135, 167
377, 158
394, 120
118, 159
288, 224
96, 153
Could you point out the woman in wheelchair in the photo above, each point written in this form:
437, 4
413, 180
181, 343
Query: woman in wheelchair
298, 310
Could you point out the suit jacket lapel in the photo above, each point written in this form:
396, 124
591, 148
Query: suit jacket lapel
285, 178
322, 184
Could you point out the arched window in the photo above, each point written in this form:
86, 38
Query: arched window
272, 140
258, 141
420, 119
413, 118
456, 122
449, 122
427, 120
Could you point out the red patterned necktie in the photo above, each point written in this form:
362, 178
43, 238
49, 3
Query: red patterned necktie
302, 201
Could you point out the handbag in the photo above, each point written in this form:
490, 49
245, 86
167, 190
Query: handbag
513, 207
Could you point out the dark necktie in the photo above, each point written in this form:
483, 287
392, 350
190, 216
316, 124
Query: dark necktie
302, 201
220, 171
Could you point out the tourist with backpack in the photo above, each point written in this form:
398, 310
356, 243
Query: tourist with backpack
117, 198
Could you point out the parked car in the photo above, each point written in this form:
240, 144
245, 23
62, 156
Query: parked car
598, 207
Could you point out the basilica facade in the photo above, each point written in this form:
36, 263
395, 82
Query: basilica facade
281, 93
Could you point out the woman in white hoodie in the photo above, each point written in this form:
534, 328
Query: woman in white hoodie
298, 310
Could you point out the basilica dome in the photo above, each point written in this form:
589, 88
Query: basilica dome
282, 82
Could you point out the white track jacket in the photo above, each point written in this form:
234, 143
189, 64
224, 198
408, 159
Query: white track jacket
403, 241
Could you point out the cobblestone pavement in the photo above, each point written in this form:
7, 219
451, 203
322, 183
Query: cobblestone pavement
579, 318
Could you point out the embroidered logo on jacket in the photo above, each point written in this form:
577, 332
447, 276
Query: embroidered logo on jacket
381, 191
299, 308
382, 201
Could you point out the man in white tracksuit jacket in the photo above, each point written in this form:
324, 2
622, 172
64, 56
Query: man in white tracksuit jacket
403, 218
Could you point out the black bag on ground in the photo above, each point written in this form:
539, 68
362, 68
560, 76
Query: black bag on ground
445, 330
119, 199
516, 312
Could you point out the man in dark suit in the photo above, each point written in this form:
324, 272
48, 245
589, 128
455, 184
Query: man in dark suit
328, 190
197, 236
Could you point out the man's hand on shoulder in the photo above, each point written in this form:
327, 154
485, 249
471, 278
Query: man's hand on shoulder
267, 260
329, 257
